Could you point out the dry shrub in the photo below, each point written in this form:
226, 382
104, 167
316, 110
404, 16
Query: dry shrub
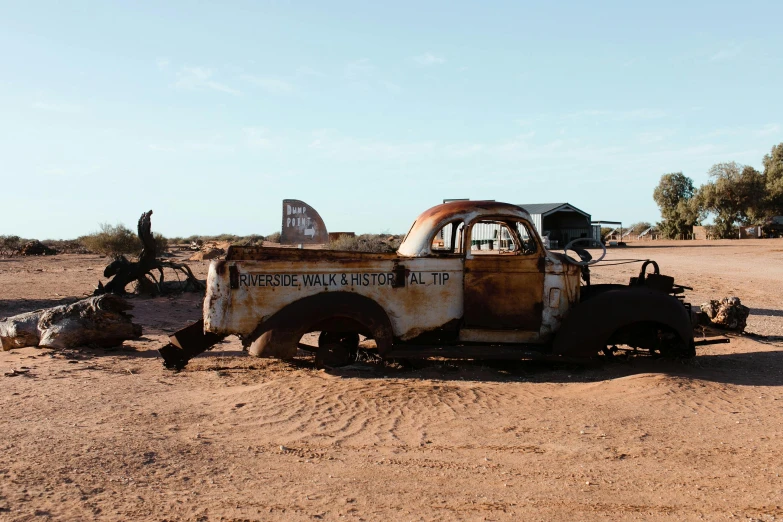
112, 240
273, 237
10, 245
249, 241
378, 243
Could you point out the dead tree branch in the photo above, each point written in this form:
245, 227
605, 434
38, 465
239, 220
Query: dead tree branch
123, 272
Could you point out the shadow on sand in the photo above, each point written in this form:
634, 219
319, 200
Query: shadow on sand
742, 369
768, 312
759, 368
12, 307
685, 244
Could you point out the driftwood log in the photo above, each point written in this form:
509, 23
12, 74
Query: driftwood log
95, 321
123, 272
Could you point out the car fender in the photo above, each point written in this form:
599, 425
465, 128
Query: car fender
584, 332
279, 335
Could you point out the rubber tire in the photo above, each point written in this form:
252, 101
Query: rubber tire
334, 355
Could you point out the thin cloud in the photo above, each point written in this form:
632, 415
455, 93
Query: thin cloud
358, 68
727, 53
309, 71
160, 148
391, 87
772, 128
213, 145
271, 84
162, 63
765, 130
642, 114
64, 108
257, 137
201, 78
650, 138
428, 59
633, 114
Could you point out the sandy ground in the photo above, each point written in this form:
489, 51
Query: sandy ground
111, 435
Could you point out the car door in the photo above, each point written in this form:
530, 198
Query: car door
504, 280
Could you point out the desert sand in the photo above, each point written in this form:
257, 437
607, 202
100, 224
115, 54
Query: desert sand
90, 434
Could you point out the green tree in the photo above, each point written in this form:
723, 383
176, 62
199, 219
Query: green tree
773, 180
675, 196
736, 195
638, 228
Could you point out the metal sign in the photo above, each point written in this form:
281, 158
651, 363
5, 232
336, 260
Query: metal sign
302, 224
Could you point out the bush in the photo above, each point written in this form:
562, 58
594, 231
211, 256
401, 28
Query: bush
379, 243
112, 241
161, 244
251, 240
10, 245
224, 237
273, 237
118, 240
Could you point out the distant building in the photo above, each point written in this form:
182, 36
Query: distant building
562, 223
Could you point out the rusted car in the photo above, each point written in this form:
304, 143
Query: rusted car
471, 279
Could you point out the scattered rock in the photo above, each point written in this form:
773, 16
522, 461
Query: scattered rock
14, 372
728, 313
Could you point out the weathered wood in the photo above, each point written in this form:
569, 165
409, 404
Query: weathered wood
123, 272
95, 321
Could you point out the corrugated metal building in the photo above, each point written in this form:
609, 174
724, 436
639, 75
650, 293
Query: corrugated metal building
561, 222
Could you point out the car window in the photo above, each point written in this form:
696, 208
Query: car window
448, 240
528, 245
501, 237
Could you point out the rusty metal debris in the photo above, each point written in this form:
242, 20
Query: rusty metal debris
187, 343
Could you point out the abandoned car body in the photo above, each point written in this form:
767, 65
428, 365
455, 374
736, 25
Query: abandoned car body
471, 279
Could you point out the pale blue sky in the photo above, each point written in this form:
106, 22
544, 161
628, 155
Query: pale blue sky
371, 112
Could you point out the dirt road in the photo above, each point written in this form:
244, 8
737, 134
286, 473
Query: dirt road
94, 435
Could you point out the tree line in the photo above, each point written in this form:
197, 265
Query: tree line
735, 195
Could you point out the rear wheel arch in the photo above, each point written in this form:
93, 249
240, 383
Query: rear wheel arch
592, 323
655, 336
279, 335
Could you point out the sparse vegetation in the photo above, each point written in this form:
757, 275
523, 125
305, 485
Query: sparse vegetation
381, 243
251, 240
10, 245
112, 240
116, 240
161, 244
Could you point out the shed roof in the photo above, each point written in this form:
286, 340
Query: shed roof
549, 208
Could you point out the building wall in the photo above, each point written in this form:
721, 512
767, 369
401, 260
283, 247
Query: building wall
537, 223
753, 232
